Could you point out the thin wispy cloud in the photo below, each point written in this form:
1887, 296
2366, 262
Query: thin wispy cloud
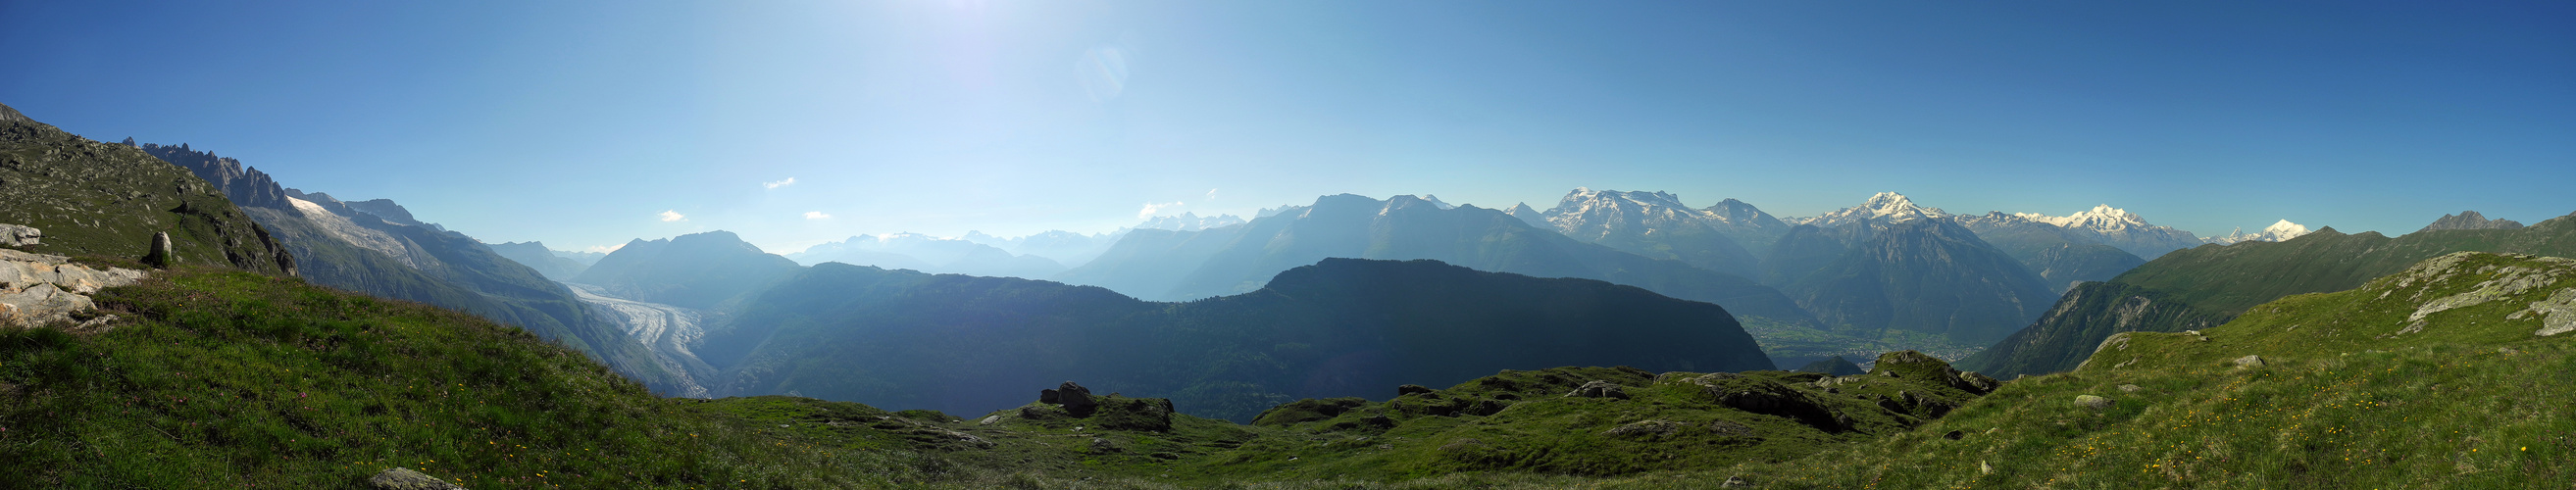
672, 215
604, 248
777, 184
817, 215
1211, 194
1151, 208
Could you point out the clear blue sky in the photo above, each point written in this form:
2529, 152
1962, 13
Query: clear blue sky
579, 123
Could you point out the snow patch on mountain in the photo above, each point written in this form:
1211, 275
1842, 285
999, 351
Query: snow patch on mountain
1189, 222
2281, 231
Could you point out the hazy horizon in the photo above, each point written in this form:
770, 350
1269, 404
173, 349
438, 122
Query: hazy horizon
794, 124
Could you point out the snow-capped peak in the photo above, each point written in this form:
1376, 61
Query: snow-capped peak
1435, 202
1189, 221
2103, 218
1885, 206
2279, 231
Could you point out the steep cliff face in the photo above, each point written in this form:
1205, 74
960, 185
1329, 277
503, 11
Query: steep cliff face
107, 200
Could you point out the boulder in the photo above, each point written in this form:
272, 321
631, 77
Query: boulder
1599, 389
2249, 361
2093, 402
1411, 389
406, 479
19, 236
1076, 399
161, 255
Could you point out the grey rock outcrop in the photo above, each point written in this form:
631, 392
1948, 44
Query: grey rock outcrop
406, 479
11, 115
38, 289
2250, 361
19, 236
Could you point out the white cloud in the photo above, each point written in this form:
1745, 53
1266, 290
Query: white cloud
1151, 208
604, 248
783, 183
672, 215
817, 215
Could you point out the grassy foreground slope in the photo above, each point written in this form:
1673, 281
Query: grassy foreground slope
231, 379
2346, 396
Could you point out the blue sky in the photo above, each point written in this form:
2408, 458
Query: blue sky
581, 123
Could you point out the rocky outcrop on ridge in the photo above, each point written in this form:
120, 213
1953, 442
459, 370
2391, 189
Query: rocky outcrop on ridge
39, 289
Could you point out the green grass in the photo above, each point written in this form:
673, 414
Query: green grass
237, 379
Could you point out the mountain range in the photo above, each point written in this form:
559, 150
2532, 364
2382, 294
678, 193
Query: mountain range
377, 247
1183, 265
929, 254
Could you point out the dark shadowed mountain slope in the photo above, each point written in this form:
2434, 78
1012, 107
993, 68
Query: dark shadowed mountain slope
106, 200
2207, 285
1930, 276
696, 271
1341, 327
1238, 259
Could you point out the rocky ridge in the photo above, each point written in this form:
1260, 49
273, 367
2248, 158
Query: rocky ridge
2471, 220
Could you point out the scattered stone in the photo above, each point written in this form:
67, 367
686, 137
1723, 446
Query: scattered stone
19, 236
406, 479
990, 420
1985, 469
1599, 389
1101, 445
1737, 481
2507, 351
1411, 389
2249, 361
2093, 402
2130, 388
161, 255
